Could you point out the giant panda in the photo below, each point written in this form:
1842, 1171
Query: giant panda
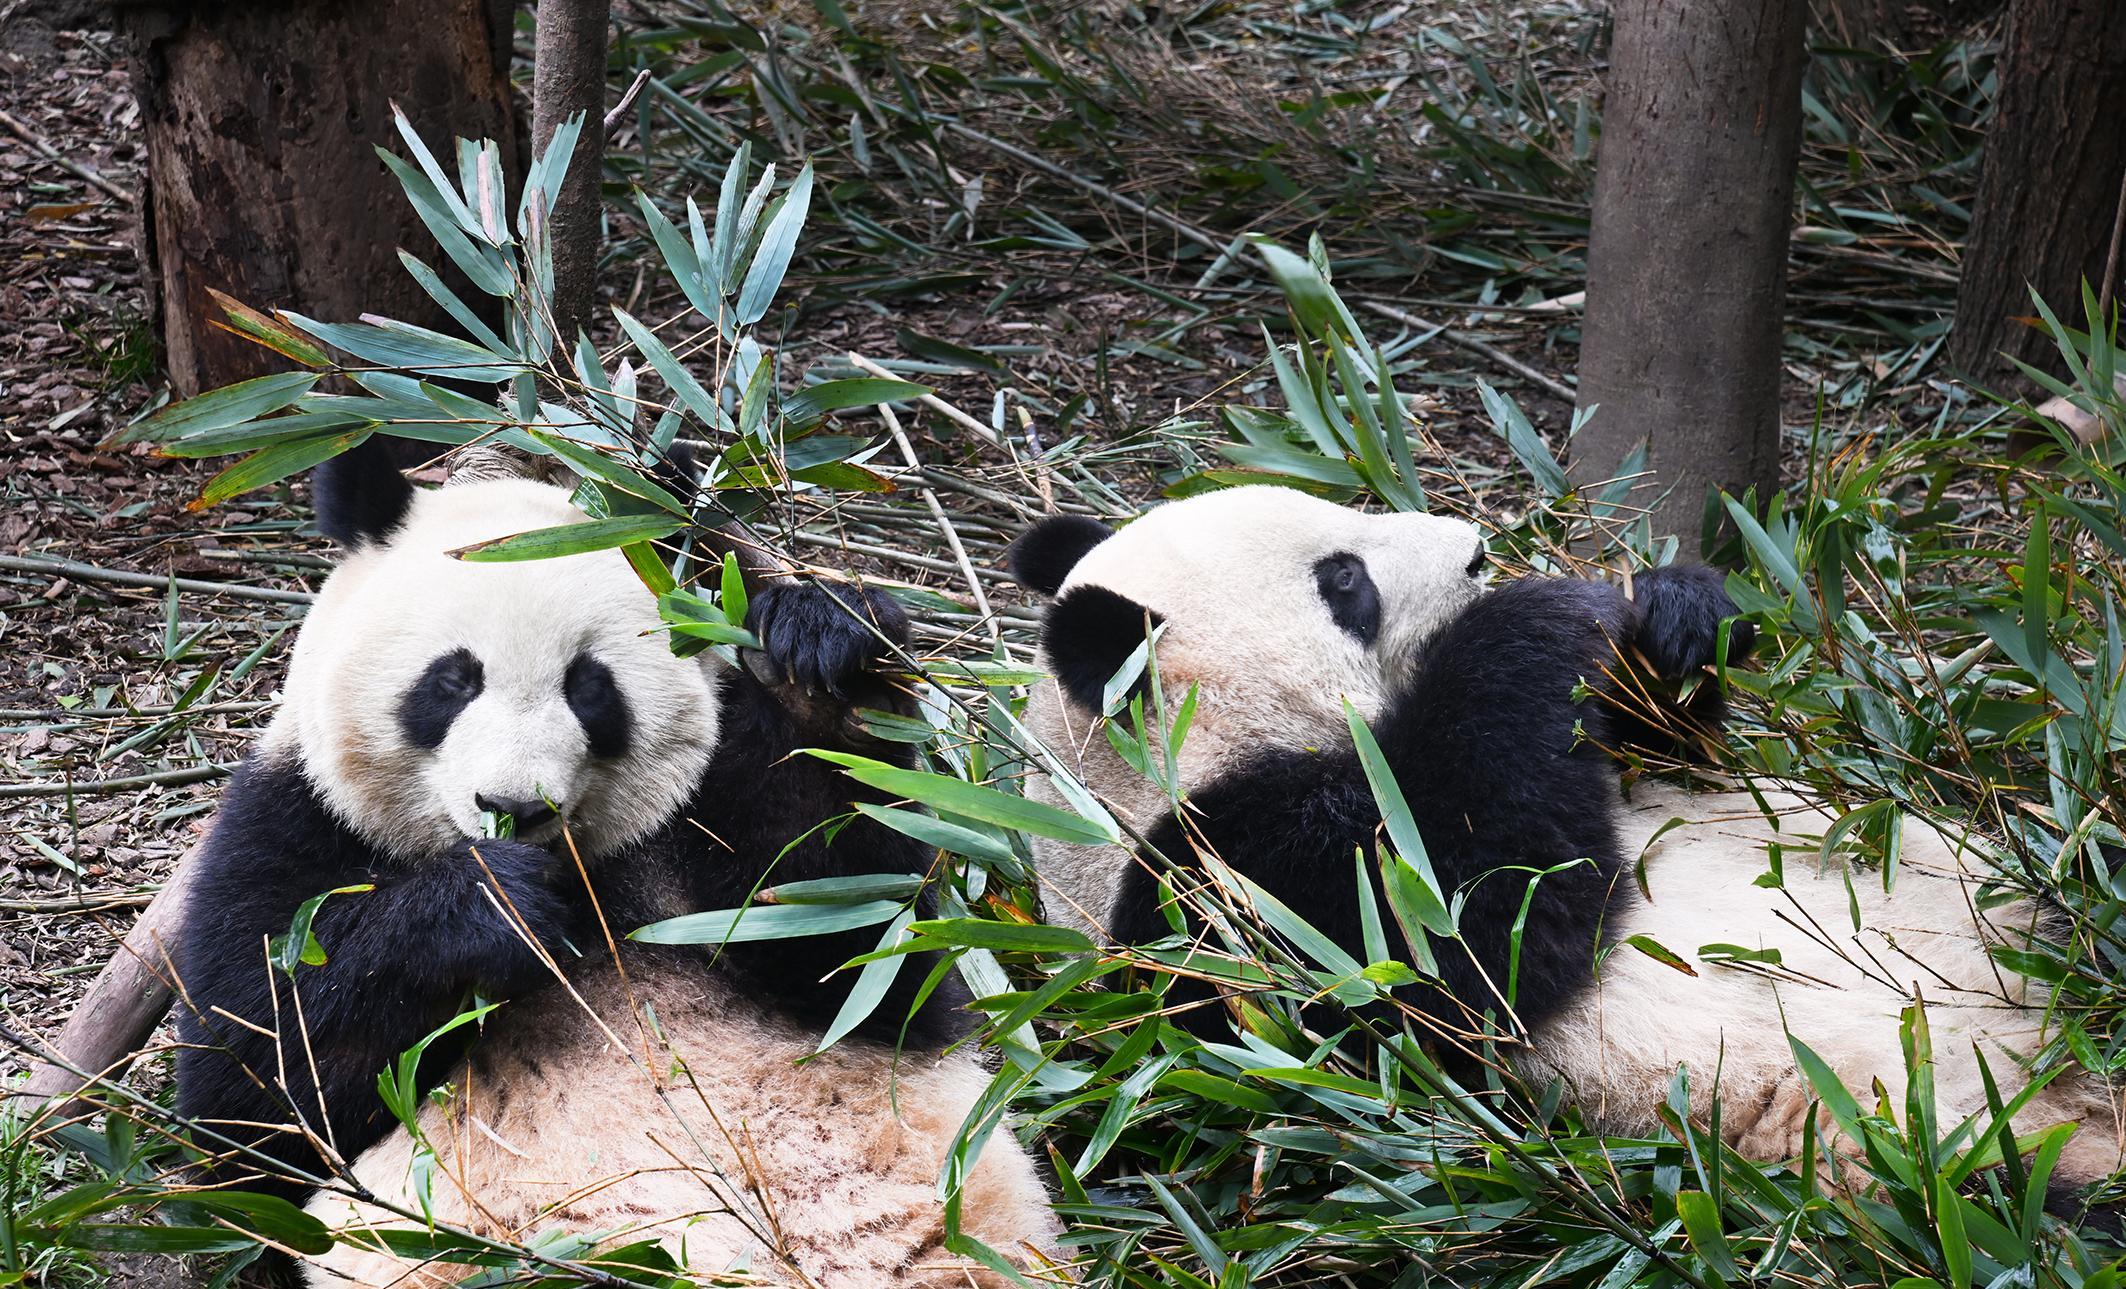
1498, 711
638, 1091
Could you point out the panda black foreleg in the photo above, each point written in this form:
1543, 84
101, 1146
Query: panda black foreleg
1679, 610
399, 960
1501, 759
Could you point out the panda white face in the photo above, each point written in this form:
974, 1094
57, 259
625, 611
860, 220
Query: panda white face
1281, 602
425, 689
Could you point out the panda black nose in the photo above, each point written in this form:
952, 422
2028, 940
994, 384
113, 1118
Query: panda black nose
526, 814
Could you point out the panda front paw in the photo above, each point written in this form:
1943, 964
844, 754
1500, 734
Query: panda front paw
538, 895
1680, 611
820, 636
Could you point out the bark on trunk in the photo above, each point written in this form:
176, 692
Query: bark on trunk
2048, 187
569, 78
261, 125
1686, 278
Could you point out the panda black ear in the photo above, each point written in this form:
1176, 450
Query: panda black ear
1088, 635
1045, 554
360, 495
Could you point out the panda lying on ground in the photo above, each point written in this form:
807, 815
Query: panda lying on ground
654, 1093
1280, 606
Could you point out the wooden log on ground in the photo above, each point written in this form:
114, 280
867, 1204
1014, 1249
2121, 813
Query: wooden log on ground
124, 1004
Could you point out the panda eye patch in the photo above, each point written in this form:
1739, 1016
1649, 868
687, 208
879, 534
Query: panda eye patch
446, 687
595, 697
1347, 588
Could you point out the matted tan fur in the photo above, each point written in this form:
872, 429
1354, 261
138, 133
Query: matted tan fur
712, 1139
1230, 573
1838, 990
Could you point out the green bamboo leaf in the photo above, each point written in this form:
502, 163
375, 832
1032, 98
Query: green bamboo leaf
403, 346
463, 315
1527, 445
1660, 953
814, 401
2037, 585
976, 933
872, 982
253, 325
221, 408
1949, 1230
1431, 903
1701, 1222
777, 245
253, 435
766, 922
854, 889
270, 465
932, 831
1768, 552
592, 464
957, 796
569, 539
485, 266
674, 373
1309, 295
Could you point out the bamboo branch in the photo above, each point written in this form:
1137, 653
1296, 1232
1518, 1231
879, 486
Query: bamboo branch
126, 577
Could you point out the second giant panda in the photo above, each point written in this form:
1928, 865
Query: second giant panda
1491, 708
635, 1092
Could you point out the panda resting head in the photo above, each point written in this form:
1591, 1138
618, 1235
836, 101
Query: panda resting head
1245, 582
425, 689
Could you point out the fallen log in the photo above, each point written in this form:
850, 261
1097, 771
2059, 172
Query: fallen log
124, 1004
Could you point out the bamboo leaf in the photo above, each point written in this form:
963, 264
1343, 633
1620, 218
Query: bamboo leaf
221, 408
270, 465
569, 539
777, 245
765, 922
959, 797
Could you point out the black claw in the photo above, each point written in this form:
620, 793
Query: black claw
813, 636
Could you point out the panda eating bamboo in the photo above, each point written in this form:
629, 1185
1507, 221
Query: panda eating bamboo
635, 1092
1497, 712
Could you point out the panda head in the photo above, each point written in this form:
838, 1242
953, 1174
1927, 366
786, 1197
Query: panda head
426, 689
1279, 604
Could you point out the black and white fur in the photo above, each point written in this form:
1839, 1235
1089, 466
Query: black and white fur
425, 689
1498, 712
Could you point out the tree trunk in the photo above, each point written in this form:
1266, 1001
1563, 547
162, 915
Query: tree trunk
1686, 278
2048, 189
569, 77
262, 120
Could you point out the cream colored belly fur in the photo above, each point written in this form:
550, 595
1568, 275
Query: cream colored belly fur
820, 1174
1839, 991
